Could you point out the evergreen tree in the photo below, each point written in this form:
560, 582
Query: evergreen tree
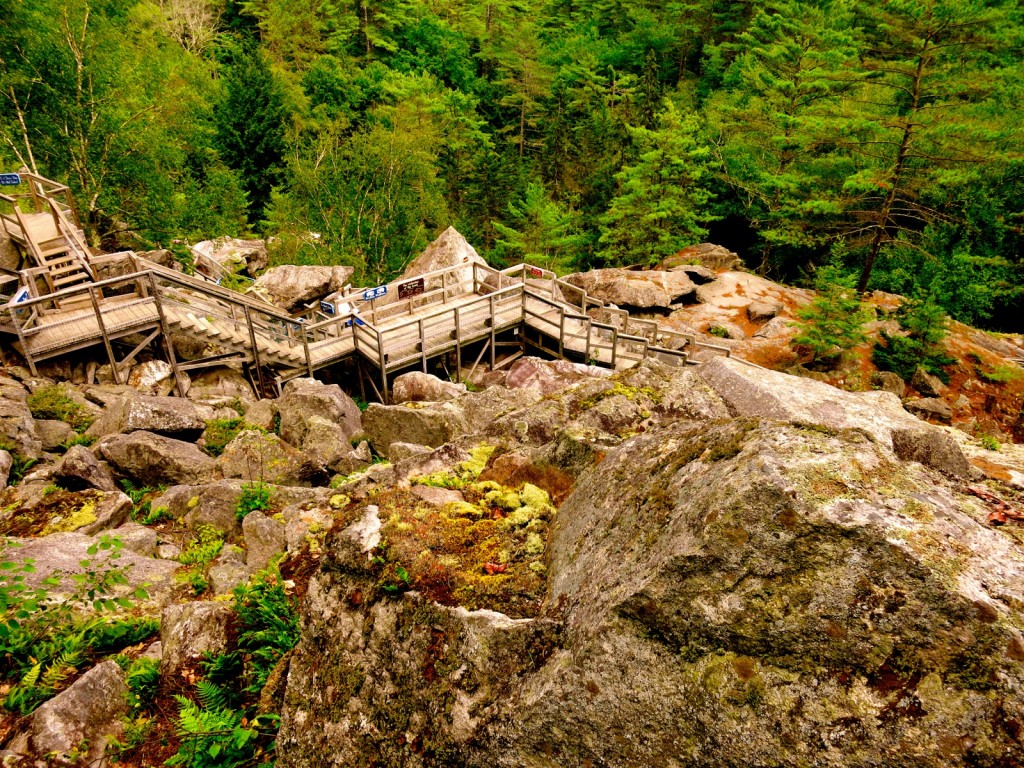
541, 232
661, 206
833, 322
251, 123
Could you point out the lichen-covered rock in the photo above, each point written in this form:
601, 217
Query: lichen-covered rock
933, 448
636, 290
930, 408
168, 416
304, 399
79, 469
230, 255
762, 311
189, 631
776, 588
6, 462
890, 382
17, 428
264, 538
549, 376
927, 384
88, 714
220, 385
53, 433
387, 424
416, 386
326, 444
450, 249
138, 538
260, 457
154, 459
291, 287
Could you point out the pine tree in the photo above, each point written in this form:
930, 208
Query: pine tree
662, 202
541, 231
833, 322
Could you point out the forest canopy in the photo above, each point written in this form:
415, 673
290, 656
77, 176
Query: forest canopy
879, 136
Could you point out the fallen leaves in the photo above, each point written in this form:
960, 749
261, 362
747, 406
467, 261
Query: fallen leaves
493, 568
1001, 512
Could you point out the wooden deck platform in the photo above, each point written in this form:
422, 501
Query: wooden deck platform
456, 311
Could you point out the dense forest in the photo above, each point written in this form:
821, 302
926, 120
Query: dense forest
880, 136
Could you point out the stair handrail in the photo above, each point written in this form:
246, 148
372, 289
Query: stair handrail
77, 246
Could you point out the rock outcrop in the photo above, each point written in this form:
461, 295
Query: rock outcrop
629, 289
230, 255
291, 287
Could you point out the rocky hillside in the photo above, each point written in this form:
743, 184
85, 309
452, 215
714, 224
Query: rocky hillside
724, 565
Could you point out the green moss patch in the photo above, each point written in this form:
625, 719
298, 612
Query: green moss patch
59, 511
53, 403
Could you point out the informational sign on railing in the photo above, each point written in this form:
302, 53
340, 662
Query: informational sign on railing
535, 272
411, 288
9, 179
375, 293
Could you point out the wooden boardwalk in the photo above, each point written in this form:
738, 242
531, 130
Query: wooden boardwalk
456, 307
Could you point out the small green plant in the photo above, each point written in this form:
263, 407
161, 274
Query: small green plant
833, 322
719, 331
989, 442
53, 402
204, 548
143, 678
926, 325
220, 432
20, 465
255, 497
361, 403
1000, 374
77, 439
158, 515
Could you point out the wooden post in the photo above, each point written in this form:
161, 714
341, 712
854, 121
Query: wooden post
383, 368
21, 338
561, 332
587, 324
615, 344
166, 334
362, 379
423, 346
458, 348
552, 286
493, 324
255, 350
444, 287
305, 349
116, 374
474, 277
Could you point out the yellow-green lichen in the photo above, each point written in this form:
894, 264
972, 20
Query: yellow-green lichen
82, 516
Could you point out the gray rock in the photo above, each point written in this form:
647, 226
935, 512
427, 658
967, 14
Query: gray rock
752, 391
762, 311
301, 520
154, 377
6, 462
231, 255
932, 448
450, 249
635, 290
708, 255
422, 387
291, 287
264, 538
325, 442
189, 631
220, 384
137, 538
168, 552
79, 469
263, 414
18, 429
437, 496
731, 330
53, 433
305, 398
776, 328
153, 459
259, 457
90, 712
889, 382
61, 555
401, 451
356, 460
168, 416
549, 376
224, 577
930, 408
926, 384
387, 424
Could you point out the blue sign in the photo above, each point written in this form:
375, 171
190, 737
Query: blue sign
20, 296
375, 293
9, 179
326, 307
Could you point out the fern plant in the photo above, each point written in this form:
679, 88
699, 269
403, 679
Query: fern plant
213, 737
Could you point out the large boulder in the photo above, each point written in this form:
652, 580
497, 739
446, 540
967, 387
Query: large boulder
264, 538
292, 287
79, 469
220, 384
170, 416
191, 631
631, 289
230, 255
17, 428
450, 249
75, 726
749, 390
549, 376
707, 255
415, 387
154, 459
387, 424
781, 594
260, 457
304, 399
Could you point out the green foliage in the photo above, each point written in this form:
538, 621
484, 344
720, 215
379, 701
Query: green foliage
143, 678
833, 322
53, 402
719, 331
255, 497
925, 326
269, 626
158, 515
44, 641
204, 547
217, 738
1003, 373
989, 442
220, 432
71, 442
